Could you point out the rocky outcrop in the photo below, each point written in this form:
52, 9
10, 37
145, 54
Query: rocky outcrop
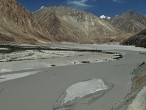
18, 25
138, 40
68, 24
130, 21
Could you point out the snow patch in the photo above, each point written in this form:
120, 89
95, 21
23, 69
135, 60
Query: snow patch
105, 17
42, 7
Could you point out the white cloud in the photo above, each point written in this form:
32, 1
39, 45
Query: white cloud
78, 3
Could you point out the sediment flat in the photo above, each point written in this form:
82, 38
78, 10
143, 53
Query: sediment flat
40, 91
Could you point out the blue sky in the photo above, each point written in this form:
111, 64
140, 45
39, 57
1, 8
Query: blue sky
98, 7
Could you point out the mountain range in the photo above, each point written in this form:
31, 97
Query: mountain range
68, 24
59, 24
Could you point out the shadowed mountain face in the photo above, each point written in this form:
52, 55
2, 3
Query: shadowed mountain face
18, 25
137, 40
130, 21
68, 24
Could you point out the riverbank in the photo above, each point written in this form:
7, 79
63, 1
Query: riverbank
136, 99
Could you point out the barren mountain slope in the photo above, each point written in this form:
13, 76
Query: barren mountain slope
18, 25
68, 24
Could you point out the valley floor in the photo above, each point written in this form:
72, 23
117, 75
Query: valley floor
33, 85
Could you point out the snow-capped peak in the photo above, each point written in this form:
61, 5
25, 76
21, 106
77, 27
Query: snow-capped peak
42, 7
105, 17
